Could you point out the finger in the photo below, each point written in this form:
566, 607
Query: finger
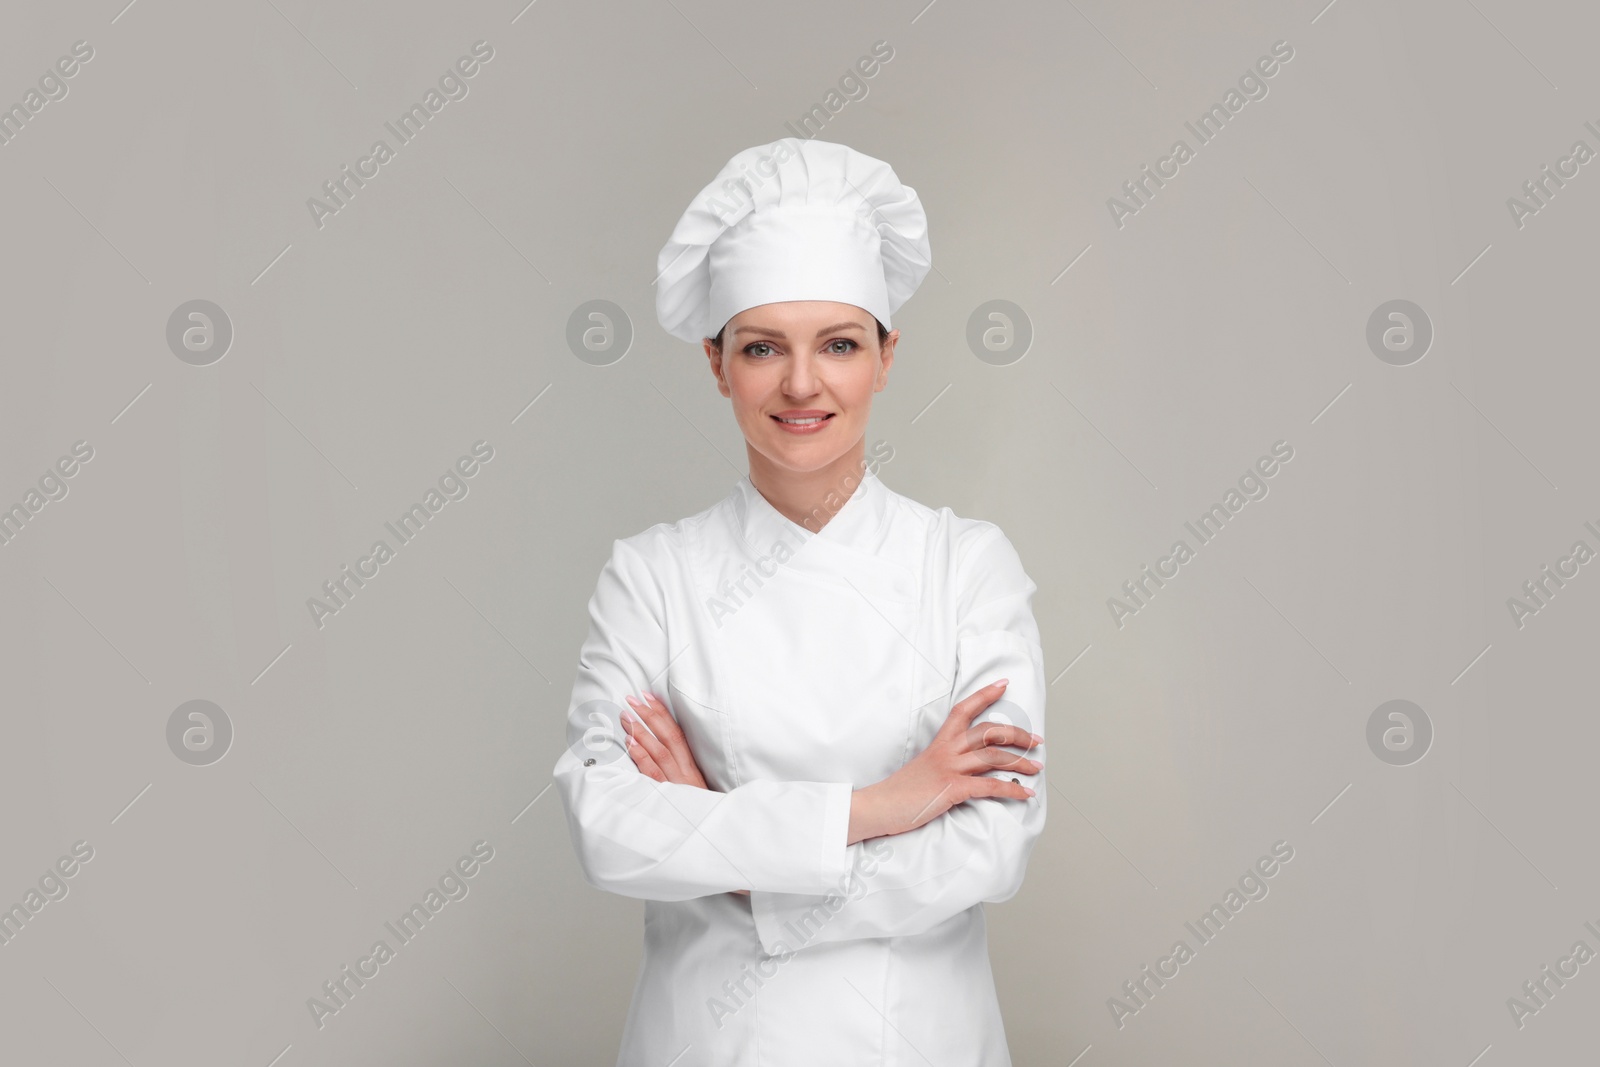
1001, 755
641, 759
997, 759
1000, 733
672, 736
961, 716
652, 747
998, 787
666, 728
673, 757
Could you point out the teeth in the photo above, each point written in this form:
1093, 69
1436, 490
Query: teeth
802, 422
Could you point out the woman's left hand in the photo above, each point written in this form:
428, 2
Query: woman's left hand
660, 751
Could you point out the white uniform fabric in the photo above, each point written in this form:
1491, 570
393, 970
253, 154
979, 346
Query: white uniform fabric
801, 666
793, 220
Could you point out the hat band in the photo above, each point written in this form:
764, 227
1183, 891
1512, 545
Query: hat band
796, 253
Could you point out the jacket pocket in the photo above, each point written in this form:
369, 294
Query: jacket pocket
704, 726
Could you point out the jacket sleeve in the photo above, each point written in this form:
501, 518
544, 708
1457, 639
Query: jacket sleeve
661, 840
908, 883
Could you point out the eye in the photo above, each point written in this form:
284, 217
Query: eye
758, 349
850, 346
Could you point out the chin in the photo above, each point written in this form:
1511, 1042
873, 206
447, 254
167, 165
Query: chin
802, 458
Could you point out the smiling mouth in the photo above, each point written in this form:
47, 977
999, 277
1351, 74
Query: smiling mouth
809, 420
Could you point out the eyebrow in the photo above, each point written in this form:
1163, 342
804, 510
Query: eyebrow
835, 328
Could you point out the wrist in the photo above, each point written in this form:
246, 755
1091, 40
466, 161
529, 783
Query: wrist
863, 816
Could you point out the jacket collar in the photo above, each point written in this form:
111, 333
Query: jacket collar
855, 524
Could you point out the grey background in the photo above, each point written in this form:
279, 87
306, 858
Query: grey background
368, 355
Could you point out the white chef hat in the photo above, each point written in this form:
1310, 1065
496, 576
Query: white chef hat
792, 220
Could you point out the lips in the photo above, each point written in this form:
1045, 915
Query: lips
803, 422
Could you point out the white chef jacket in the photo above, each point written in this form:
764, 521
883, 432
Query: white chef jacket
803, 665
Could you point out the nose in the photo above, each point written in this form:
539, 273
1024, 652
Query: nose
801, 380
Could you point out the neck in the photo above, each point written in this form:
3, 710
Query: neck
809, 498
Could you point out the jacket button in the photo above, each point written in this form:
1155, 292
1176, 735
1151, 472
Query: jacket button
590, 763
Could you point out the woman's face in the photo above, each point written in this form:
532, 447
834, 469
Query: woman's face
810, 360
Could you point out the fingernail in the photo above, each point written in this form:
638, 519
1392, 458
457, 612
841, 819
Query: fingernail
1038, 740
633, 701
1028, 791
1003, 681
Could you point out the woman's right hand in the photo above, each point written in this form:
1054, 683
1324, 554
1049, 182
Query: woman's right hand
946, 773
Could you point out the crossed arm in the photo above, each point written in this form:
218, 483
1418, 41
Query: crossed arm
943, 836
946, 773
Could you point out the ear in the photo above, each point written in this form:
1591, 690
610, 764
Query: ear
887, 360
714, 357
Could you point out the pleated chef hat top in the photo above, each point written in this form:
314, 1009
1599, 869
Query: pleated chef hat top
792, 220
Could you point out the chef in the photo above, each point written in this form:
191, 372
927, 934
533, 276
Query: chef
807, 722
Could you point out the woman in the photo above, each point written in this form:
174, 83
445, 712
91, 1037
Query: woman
802, 796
